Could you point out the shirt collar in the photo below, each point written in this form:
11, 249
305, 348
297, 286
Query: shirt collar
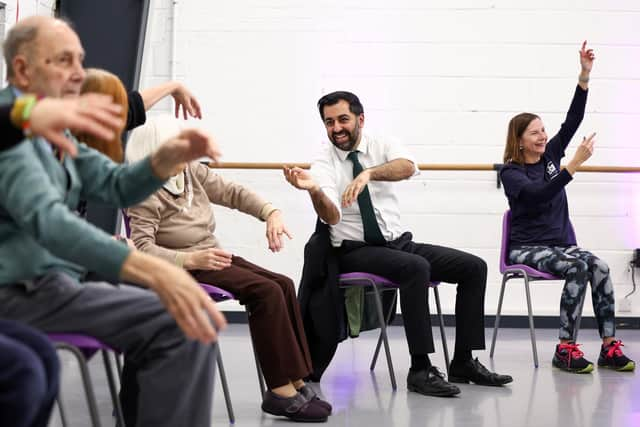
17, 92
363, 148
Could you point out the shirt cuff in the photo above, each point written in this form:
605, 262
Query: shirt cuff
266, 210
180, 259
112, 260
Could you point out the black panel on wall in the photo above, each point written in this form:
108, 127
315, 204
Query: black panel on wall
112, 34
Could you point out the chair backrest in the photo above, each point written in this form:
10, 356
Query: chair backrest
504, 253
127, 223
506, 233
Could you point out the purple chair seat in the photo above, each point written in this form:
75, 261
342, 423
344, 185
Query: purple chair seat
532, 272
361, 276
87, 344
216, 293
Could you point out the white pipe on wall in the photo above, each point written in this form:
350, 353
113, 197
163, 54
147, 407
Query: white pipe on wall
174, 32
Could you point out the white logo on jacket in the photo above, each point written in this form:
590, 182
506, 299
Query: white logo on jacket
552, 171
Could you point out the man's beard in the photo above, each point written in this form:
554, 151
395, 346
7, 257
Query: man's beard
352, 139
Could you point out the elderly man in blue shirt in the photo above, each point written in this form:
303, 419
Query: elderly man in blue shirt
45, 249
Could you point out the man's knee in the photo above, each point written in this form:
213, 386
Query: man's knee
417, 270
477, 266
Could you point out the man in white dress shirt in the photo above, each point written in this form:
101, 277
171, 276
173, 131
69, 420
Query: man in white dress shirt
351, 186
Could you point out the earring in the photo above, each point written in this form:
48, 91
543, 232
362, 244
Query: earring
521, 147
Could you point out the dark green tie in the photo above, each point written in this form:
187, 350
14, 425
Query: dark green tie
372, 233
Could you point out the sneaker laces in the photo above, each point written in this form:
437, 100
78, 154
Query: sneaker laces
614, 349
572, 349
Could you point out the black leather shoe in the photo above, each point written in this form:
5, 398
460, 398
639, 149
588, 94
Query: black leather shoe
474, 371
308, 393
296, 408
430, 382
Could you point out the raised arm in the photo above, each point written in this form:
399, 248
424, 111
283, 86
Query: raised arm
184, 100
574, 116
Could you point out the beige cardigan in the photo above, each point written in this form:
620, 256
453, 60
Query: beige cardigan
164, 225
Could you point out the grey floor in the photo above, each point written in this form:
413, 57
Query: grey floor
538, 397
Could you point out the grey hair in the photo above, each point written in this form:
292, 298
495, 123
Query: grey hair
18, 40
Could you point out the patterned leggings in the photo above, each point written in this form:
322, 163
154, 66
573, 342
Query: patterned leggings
577, 266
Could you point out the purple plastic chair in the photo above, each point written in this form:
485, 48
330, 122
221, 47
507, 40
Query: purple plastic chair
381, 284
529, 274
219, 295
83, 347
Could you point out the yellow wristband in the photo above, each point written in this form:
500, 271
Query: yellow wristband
21, 110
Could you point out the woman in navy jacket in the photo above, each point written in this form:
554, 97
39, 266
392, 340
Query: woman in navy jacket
541, 233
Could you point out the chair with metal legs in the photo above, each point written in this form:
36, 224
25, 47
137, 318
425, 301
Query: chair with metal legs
378, 285
528, 274
219, 295
216, 294
83, 347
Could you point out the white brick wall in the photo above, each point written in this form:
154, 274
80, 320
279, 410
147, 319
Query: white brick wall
26, 8
445, 77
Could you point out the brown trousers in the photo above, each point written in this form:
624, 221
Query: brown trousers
274, 318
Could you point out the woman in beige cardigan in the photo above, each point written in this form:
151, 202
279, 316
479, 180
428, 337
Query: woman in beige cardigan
177, 223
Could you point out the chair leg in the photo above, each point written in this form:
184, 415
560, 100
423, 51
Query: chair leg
385, 341
261, 383
225, 387
86, 380
63, 413
445, 348
531, 326
496, 324
376, 353
119, 366
113, 389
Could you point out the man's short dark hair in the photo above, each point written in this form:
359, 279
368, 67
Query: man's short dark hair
334, 97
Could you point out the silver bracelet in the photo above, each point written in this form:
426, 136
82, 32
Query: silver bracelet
583, 79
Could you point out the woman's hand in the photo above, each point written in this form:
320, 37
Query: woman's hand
208, 259
186, 101
586, 58
275, 231
583, 153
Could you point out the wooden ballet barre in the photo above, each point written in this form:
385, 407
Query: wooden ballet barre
422, 167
